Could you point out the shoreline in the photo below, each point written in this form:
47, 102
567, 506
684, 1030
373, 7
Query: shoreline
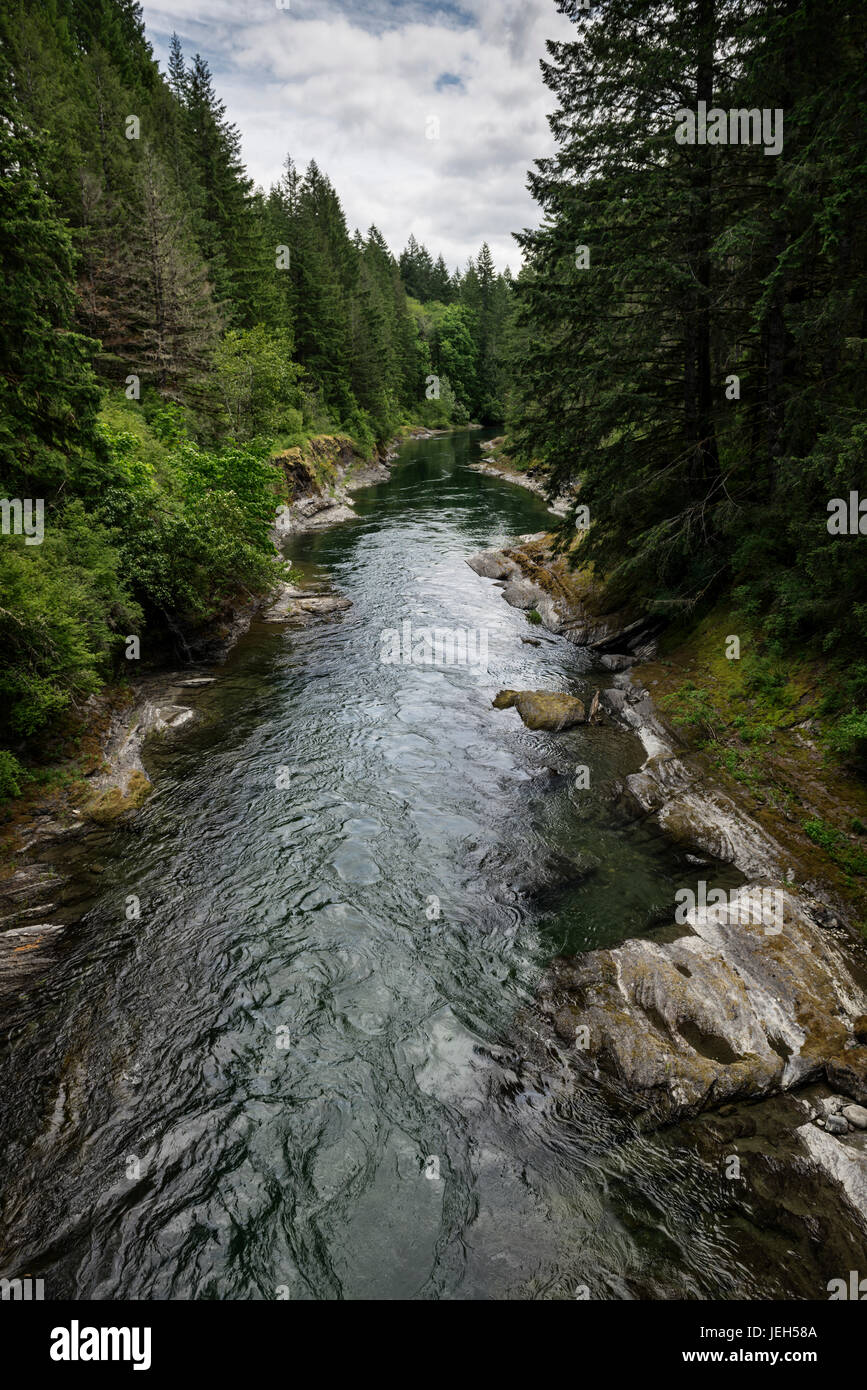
122, 718
724, 1022
495, 465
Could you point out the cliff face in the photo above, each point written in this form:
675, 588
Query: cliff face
319, 479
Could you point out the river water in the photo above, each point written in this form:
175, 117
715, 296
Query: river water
294, 1074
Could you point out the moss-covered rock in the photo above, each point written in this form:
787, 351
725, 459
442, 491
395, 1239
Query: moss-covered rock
112, 803
543, 709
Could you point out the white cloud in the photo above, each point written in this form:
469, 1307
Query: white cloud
354, 85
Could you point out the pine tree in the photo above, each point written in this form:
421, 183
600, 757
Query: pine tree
48, 396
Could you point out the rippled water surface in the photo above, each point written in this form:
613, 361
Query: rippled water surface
249, 1091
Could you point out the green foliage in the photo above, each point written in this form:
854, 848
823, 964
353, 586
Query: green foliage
65, 607
48, 396
849, 736
200, 536
456, 352
691, 707
850, 858
704, 263
12, 775
255, 382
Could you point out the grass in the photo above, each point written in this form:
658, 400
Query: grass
763, 722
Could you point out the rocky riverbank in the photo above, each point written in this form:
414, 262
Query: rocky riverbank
724, 1004
113, 782
496, 465
321, 479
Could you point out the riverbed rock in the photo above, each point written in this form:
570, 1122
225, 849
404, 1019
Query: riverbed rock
836, 1124
523, 593
856, 1115
726, 1011
173, 716
847, 1072
492, 564
293, 603
326, 603
675, 791
23, 952
543, 709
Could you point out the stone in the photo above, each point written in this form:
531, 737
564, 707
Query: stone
523, 593
835, 1124
328, 603
293, 603
543, 709
859, 1028
856, 1115
723, 1012
173, 716
492, 564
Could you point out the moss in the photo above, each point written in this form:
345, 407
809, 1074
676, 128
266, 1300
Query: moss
748, 717
851, 858
114, 802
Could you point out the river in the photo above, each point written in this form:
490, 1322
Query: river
294, 1074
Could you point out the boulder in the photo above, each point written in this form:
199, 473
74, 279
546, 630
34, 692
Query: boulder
543, 709
492, 564
523, 593
856, 1115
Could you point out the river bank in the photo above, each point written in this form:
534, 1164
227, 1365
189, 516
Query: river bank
724, 1006
496, 464
110, 777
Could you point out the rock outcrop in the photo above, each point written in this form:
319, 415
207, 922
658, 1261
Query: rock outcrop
740, 1005
319, 479
532, 579
294, 604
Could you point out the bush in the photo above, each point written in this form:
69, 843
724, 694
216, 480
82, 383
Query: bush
849, 736
65, 611
12, 774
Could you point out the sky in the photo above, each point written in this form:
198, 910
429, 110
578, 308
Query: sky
426, 116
